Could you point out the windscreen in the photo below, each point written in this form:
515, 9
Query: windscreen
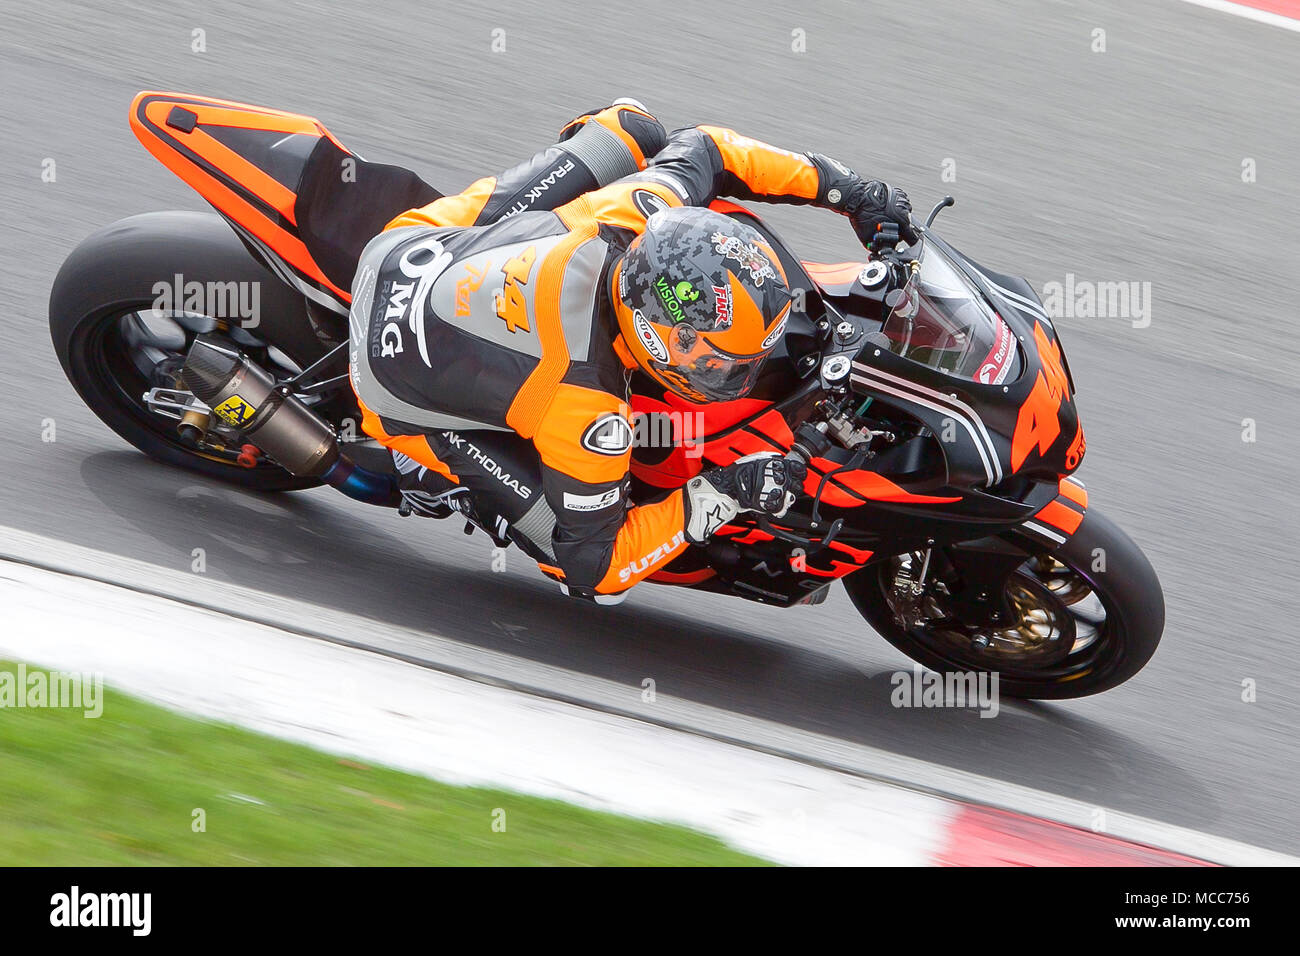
941, 320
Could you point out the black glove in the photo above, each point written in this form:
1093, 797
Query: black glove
878, 203
868, 204
764, 482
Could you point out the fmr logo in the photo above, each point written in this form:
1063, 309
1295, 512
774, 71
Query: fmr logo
610, 434
722, 307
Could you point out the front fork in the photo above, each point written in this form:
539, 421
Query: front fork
974, 574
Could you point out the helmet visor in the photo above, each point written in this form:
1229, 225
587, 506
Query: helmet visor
707, 373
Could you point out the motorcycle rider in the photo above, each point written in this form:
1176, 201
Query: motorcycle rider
494, 333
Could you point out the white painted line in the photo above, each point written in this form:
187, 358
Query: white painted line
1249, 13
346, 701
459, 658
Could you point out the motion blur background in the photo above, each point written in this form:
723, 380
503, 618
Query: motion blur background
1124, 165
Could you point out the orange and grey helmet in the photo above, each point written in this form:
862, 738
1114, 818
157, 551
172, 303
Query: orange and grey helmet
701, 300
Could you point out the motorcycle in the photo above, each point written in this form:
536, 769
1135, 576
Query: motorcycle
928, 397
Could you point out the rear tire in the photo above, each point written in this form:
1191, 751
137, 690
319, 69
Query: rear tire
1127, 589
111, 274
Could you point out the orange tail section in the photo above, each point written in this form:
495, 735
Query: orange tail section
247, 161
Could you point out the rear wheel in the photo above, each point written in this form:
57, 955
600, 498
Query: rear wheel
114, 345
1083, 619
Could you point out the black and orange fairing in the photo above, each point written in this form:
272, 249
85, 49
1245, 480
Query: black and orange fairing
245, 160
283, 182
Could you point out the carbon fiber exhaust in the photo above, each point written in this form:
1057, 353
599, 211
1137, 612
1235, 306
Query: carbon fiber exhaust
245, 396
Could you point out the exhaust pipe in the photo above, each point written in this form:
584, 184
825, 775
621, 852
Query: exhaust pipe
244, 396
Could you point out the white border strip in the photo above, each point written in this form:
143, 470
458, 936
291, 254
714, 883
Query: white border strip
605, 699
1249, 13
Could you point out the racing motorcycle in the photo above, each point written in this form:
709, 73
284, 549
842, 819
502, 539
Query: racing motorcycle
927, 395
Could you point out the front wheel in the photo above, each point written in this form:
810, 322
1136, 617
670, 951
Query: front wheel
1084, 618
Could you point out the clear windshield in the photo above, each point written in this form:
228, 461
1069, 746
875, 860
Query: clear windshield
940, 320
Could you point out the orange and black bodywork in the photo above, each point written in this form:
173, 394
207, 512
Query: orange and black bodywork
982, 460
306, 206
294, 193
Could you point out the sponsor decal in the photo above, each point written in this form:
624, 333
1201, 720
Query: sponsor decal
997, 363
599, 502
610, 434
1074, 454
473, 279
648, 203
674, 296
775, 335
639, 565
235, 411
487, 463
512, 307
747, 254
648, 337
721, 307
541, 187
423, 261
386, 339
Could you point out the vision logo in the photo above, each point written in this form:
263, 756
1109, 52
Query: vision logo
673, 296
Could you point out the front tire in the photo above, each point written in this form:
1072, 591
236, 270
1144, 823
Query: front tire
1099, 564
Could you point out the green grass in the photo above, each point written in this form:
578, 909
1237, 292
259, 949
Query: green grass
121, 790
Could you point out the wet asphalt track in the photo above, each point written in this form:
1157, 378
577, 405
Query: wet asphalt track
1122, 165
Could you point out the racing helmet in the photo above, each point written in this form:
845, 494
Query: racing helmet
701, 300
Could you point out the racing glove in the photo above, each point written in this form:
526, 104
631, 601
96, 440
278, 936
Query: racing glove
868, 204
765, 482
